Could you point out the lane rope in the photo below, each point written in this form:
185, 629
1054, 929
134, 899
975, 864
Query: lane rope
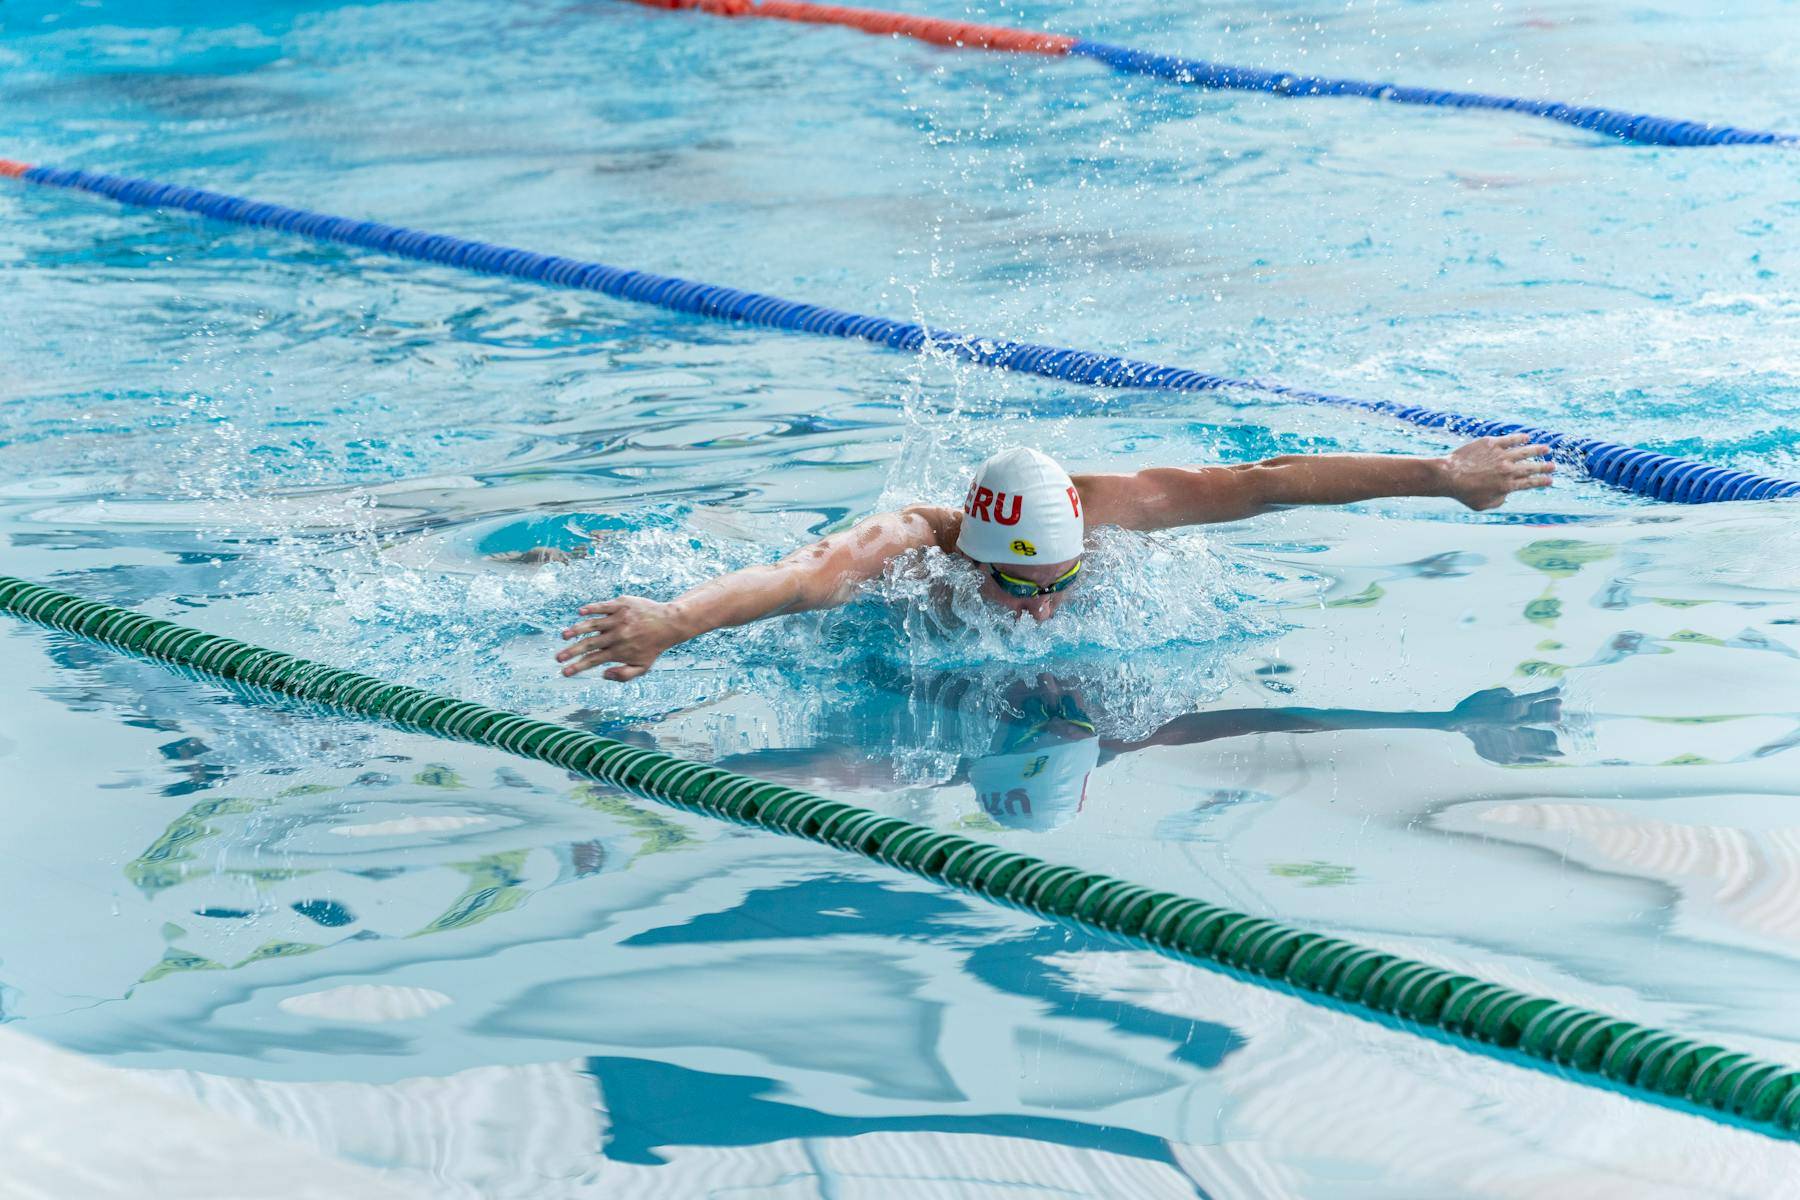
1645, 472
1574, 1042
1638, 128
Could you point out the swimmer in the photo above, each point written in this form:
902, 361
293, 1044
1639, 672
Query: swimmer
1023, 527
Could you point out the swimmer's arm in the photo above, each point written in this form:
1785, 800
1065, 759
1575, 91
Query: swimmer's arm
1498, 720
1480, 474
822, 575
1193, 728
632, 631
828, 766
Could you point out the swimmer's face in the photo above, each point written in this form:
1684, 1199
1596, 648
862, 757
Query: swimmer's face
1041, 608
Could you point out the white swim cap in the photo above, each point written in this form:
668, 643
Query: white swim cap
1038, 790
1021, 508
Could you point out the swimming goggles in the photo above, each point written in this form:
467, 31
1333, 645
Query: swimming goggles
1037, 716
1025, 589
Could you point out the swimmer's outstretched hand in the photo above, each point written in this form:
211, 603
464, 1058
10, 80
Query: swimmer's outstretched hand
1508, 728
1485, 472
630, 631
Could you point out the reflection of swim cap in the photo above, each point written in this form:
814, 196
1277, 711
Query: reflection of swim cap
1038, 790
1021, 508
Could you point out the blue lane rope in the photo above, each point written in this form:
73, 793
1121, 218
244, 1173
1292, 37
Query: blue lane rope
1658, 476
1610, 122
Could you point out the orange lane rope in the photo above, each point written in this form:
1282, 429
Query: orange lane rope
936, 30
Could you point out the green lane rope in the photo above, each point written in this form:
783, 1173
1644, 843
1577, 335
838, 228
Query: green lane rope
1577, 1042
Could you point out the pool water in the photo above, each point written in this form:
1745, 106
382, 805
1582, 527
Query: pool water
1553, 745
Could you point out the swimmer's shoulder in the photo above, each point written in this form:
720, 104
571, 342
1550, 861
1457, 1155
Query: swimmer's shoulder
1109, 499
932, 524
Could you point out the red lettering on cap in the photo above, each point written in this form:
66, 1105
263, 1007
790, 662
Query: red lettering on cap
1000, 505
979, 509
1075, 501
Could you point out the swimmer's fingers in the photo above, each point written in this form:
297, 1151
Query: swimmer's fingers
578, 663
599, 650
1529, 471
624, 672
629, 631
591, 625
591, 644
1536, 451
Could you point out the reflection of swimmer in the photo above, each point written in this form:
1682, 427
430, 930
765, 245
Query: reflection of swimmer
1022, 527
1036, 775
1039, 779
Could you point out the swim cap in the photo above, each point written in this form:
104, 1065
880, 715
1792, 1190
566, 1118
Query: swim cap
1039, 790
1021, 508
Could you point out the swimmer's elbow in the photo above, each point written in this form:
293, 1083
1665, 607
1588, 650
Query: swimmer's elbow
1260, 487
830, 571
820, 576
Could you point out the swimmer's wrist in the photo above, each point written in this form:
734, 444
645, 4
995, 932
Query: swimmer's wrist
686, 623
1442, 477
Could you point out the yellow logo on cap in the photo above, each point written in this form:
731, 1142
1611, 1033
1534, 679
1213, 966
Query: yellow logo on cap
1021, 546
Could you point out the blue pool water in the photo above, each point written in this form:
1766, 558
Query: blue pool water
1552, 745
